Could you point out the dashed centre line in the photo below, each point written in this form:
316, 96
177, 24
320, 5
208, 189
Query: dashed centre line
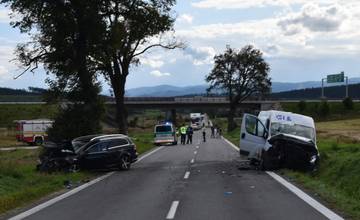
187, 174
172, 211
192, 161
195, 152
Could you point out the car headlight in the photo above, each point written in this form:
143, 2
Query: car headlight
313, 159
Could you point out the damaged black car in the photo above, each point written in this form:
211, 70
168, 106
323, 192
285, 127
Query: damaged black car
88, 152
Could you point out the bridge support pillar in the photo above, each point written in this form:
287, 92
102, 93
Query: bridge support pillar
173, 116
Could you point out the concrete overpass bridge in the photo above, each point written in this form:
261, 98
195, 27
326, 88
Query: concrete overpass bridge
192, 102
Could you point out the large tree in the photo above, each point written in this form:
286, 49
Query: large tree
62, 38
77, 40
132, 27
240, 74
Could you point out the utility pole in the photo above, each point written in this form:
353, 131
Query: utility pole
347, 87
322, 88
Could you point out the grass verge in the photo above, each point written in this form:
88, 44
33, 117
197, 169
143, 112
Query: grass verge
21, 184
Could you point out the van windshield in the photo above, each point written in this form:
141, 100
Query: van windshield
165, 128
298, 130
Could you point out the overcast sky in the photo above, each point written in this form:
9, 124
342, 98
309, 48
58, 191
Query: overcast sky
302, 41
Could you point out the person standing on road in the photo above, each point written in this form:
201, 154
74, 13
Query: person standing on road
189, 134
212, 132
183, 134
220, 132
204, 133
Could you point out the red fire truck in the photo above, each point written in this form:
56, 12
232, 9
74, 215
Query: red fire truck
33, 132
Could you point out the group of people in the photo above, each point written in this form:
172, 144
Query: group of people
186, 133
216, 132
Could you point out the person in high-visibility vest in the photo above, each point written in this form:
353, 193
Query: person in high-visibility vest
183, 133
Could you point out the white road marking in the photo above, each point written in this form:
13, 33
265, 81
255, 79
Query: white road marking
231, 144
195, 152
306, 198
149, 153
18, 148
192, 161
187, 174
72, 192
197, 147
302, 195
172, 211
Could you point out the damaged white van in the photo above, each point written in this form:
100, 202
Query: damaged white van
277, 139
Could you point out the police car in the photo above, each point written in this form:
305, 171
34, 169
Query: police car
165, 133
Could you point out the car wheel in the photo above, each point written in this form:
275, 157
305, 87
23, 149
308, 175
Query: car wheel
125, 162
38, 141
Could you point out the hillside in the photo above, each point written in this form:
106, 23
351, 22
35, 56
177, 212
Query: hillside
168, 90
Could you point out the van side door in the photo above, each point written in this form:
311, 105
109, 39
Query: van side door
253, 136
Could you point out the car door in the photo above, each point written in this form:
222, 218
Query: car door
117, 148
253, 136
96, 156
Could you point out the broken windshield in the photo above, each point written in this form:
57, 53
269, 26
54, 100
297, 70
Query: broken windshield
293, 129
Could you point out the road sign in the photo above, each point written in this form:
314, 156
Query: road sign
336, 78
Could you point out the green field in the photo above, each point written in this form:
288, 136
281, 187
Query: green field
337, 110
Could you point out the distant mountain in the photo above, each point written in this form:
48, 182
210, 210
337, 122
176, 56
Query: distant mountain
165, 91
168, 91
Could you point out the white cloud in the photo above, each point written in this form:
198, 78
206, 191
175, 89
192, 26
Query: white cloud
314, 18
4, 16
233, 4
157, 73
6, 54
200, 55
185, 18
3, 72
313, 30
154, 61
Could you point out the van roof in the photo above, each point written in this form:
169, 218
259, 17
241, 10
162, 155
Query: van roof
289, 117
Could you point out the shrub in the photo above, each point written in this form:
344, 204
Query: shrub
76, 120
348, 103
323, 109
302, 106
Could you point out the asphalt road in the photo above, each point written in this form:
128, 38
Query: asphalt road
175, 182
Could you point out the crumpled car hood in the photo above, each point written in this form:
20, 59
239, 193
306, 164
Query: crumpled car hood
294, 152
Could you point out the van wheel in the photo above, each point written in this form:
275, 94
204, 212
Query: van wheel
175, 143
125, 162
38, 141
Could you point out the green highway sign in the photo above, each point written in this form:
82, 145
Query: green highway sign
336, 78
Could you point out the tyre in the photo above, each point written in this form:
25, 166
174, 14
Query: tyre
125, 162
175, 143
38, 141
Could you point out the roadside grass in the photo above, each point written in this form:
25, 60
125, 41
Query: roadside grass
338, 177
21, 184
143, 139
337, 180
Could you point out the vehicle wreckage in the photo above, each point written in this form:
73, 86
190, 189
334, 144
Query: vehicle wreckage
88, 152
277, 139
